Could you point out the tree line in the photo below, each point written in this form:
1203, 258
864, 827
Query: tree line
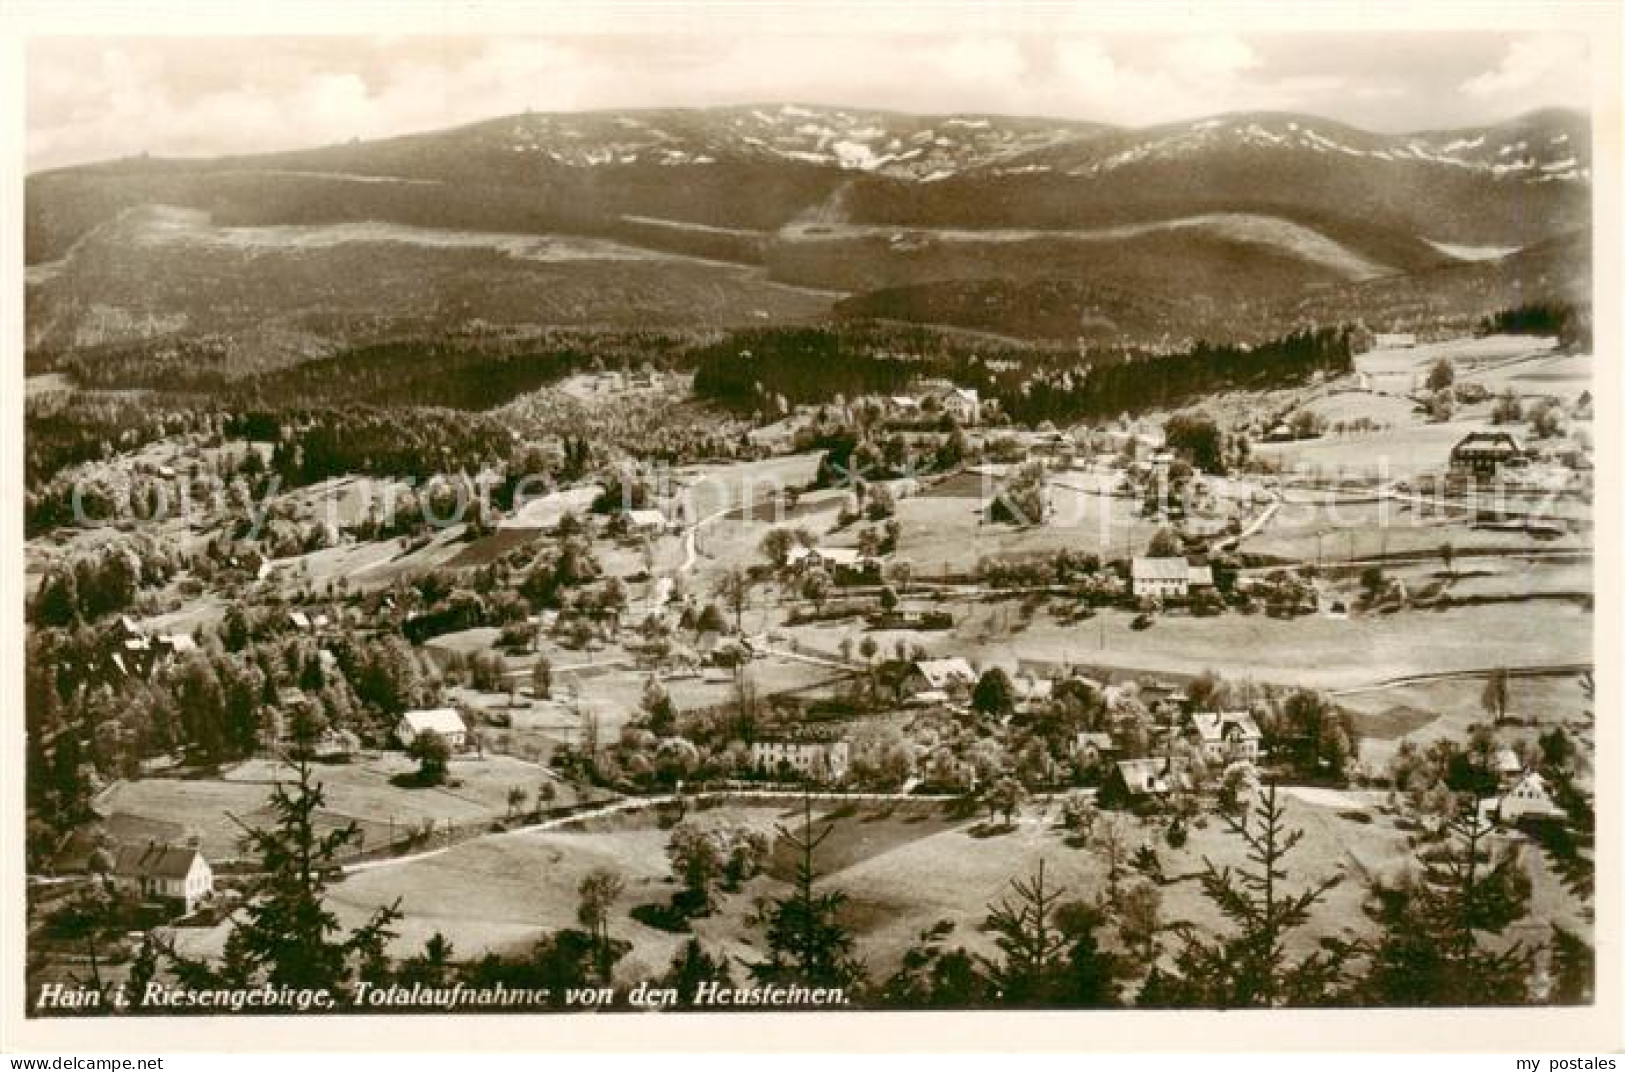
769, 369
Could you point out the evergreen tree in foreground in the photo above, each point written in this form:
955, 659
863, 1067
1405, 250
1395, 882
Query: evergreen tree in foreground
287, 934
806, 941
1250, 968
289, 931
1051, 957
693, 966
1034, 947
1433, 949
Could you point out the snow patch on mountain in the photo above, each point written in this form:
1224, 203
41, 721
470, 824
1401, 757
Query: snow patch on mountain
1474, 151
936, 148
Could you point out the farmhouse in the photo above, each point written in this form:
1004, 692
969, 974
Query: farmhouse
1168, 578
134, 657
176, 644
335, 746
646, 522
1031, 690
1141, 779
817, 760
443, 720
1227, 736
814, 557
963, 404
1091, 748
135, 654
1394, 340
1529, 796
832, 560
933, 678
1206, 528
164, 873
1483, 453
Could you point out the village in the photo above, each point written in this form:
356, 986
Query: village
1372, 591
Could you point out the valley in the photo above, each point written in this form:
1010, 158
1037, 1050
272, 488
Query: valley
592, 540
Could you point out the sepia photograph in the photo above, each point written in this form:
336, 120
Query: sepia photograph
698, 518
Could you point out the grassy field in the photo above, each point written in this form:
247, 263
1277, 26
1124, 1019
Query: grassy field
1425, 712
343, 501
946, 533
708, 489
360, 791
904, 868
1393, 454
1511, 578
1352, 405
1309, 528
1312, 650
1400, 369
366, 567
1474, 579
492, 546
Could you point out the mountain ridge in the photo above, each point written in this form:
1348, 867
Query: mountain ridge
1079, 128
1164, 231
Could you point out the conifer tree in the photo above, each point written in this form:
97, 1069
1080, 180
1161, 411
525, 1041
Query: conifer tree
1250, 967
693, 966
1431, 951
288, 935
807, 943
1033, 947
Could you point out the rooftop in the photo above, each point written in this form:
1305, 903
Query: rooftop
155, 861
1496, 441
439, 719
941, 672
1217, 725
1162, 569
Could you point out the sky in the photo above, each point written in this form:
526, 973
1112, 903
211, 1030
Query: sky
97, 98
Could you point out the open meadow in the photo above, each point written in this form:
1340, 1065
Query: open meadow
904, 868
363, 791
1424, 712
1315, 651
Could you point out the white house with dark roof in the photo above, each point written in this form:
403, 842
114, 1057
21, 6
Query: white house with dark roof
1482, 453
1148, 777
157, 872
1528, 797
1168, 578
1227, 736
963, 404
948, 678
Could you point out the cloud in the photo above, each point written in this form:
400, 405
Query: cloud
1213, 57
1552, 67
90, 99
